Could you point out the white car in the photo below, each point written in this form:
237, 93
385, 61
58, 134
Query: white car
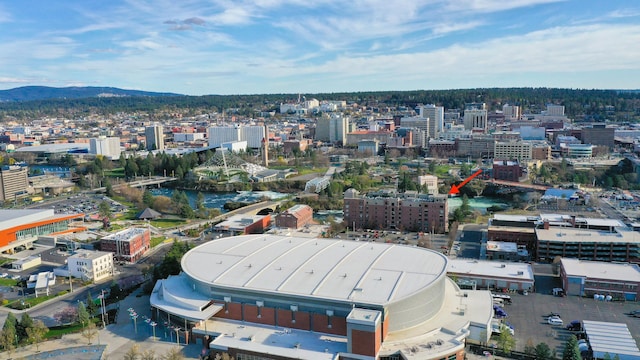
555, 321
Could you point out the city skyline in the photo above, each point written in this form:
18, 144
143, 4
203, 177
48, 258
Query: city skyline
280, 46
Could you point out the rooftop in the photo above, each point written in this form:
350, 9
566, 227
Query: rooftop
574, 235
612, 338
125, 235
601, 270
89, 254
494, 269
317, 268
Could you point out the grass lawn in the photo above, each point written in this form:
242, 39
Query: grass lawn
167, 223
442, 170
118, 173
57, 332
8, 282
157, 240
29, 302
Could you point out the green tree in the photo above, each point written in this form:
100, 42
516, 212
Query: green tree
83, 314
108, 188
10, 322
115, 293
104, 209
36, 332
571, 349
148, 198
543, 352
92, 307
25, 322
506, 341
8, 339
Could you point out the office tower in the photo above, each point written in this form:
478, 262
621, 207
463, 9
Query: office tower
105, 146
436, 119
154, 137
476, 119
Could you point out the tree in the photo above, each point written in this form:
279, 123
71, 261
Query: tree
8, 339
148, 354
10, 322
25, 322
90, 331
147, 198
36, 332
115, 292
104, 209
506, 341
543, 352
133, 353
571, 349
83, 314
67, 315
529, 348
173, 354
91, 305
108, 188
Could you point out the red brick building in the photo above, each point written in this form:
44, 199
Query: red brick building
507, 170
389, 210
245, 224
295, 217
127, 245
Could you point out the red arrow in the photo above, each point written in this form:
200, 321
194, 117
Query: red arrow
455, 189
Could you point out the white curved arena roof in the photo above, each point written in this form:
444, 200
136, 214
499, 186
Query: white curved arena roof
340, 270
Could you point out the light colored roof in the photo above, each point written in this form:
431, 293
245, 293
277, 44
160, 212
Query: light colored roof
587, 235
89, 254
612, 338
126, 234
601, 270
174, 295
493, 269
276, 341
341, 270
239, 222
12, 218
54, 148
502, 246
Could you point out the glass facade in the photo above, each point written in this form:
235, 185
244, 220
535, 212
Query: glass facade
42, 230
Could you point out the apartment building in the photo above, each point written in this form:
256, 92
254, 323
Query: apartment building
391, 210
513, 150
13, 182
105, 146
127, 245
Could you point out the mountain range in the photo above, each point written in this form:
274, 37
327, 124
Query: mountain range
29, 93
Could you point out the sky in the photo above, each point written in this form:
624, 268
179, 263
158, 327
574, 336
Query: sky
198, 47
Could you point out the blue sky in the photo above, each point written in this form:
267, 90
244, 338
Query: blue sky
298, 46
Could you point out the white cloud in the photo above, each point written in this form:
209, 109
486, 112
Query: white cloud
488, 6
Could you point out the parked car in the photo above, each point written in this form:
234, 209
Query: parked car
554, 314
575, 325
635, 313
555, 321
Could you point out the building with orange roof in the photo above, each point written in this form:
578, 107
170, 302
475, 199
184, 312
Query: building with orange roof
22, 227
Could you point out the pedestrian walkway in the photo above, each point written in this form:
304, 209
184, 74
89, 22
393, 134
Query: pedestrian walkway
116, 339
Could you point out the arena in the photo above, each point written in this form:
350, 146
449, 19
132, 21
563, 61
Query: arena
282, 297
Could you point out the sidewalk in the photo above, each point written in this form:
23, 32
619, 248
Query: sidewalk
118, 338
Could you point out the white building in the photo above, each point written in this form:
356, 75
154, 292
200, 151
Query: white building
154, 137
234, 146
332, 129
513, 150
253, 135
90, 265
554, 110
187, 137
511, 112
435, 114
476, 119
106, 146
430, 181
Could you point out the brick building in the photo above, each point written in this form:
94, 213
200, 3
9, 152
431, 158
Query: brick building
391, 210
295, 217
127, 245
507, 170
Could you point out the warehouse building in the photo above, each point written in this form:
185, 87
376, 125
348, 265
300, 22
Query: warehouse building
586, 278
281, 297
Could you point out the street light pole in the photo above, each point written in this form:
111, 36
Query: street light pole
103, 310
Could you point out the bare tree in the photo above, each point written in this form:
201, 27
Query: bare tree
175, 353
133, 353
148, 354
90, 331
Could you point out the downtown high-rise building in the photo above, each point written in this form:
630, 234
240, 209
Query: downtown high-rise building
435, 114
154, 137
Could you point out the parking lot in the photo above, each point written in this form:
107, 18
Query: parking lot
81, 203
527, 315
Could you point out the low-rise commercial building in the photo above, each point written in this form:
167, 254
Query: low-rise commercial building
22, 227
26, 263
296, 217
244, 224
90, 265
492, 275
127, 245
586, 278
618, 244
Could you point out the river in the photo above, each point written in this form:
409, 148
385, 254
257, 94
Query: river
479, 203
217, 200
